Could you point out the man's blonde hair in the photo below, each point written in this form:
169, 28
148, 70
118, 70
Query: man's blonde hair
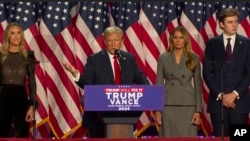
112, 29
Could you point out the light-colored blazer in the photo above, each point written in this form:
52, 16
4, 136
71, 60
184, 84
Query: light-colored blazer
181, 85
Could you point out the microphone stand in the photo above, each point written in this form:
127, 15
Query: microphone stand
34, 119
222, 95
33, 63
222, 64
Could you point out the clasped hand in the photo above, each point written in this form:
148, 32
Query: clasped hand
228, 100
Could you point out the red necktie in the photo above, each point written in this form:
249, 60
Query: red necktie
117, 71
228, 50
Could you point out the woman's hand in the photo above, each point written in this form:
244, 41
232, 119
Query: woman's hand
30, 114
158, 119
196, 119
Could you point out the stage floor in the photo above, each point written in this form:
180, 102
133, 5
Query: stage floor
124, 139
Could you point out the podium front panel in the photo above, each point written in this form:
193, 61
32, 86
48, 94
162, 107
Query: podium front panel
123, 97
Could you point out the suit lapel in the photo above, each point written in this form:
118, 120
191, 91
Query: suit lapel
237, 45
108, 66
176, 68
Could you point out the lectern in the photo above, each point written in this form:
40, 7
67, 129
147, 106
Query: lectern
121, 105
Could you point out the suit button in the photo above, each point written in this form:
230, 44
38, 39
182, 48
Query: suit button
181, 84
172, 84
183, 76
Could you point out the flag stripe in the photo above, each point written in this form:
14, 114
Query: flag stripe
71, 31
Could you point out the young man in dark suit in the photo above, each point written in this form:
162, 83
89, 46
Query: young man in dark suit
99, 70
227, 74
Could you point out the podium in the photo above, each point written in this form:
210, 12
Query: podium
120, 106
120, 124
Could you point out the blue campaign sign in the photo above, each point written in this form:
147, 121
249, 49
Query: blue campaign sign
123, 97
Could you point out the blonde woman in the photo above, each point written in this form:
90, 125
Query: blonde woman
15, 105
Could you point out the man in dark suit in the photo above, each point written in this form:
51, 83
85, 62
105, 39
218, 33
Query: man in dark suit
227, 74
99, 70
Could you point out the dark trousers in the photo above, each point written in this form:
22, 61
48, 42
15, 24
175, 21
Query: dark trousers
229, 118
13, 109
94, 123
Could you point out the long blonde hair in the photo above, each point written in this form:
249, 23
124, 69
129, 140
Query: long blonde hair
6, 44
190, 63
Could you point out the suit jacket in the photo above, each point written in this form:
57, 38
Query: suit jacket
98, 71
177, 80
225, 76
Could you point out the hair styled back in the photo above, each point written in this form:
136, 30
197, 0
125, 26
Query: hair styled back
113, 29
190, 63
6, 43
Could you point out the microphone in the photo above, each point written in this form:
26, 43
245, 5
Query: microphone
118, 52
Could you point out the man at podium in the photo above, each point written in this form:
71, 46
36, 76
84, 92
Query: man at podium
102, 69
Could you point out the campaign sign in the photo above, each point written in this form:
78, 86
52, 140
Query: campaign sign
240, 132
123, 97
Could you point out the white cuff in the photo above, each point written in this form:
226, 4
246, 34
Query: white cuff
237, 94
219, 96
77, 77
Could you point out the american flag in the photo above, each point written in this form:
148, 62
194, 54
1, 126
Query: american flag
91, 21
3, 18
56, 29
71, 31
195, 18
157, 20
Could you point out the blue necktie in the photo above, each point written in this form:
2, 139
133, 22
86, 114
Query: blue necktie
228, 50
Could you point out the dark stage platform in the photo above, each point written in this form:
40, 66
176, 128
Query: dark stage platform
125, 139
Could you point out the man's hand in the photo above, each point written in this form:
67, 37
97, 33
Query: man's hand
70, 68
228, 100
